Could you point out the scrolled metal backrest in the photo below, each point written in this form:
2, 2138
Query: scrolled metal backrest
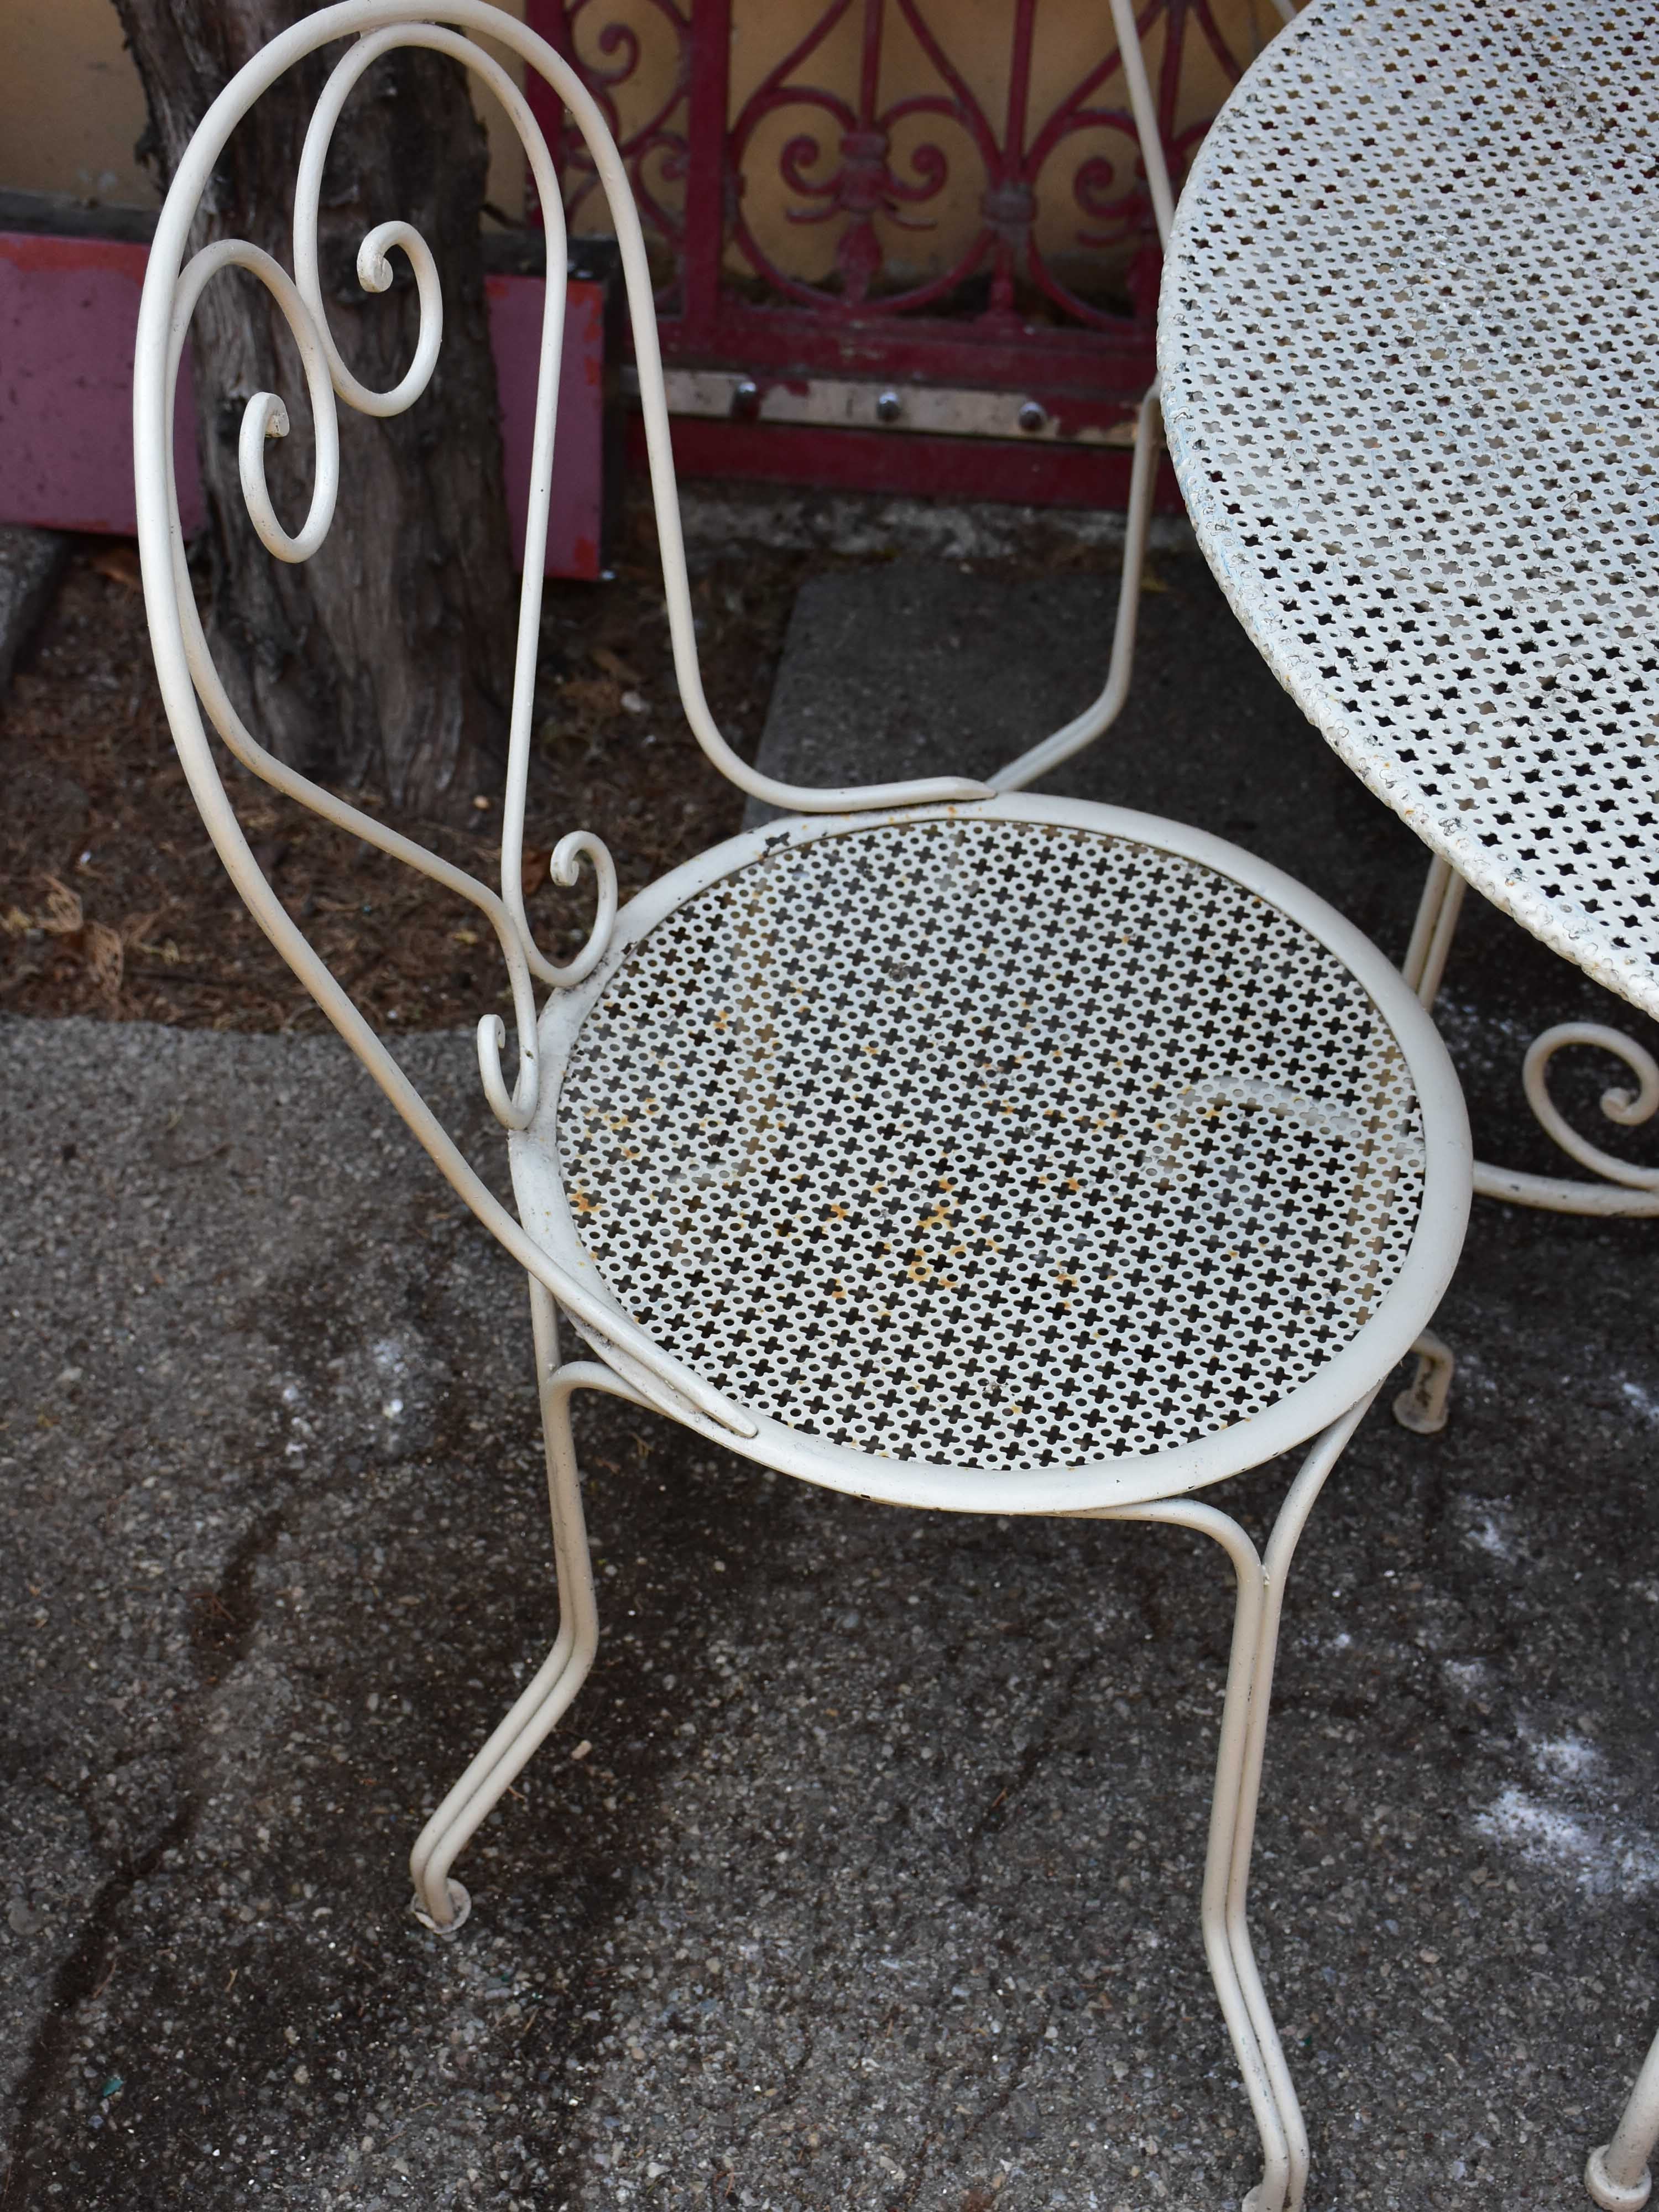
190, 682
382, 26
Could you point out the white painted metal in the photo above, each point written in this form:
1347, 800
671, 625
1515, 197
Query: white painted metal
1148, 443
1386, 433
1099, 717
1405, 301
1617, 2175
1259, 1605
442, 1902
1155, 1021
1206, 1146
1561, 1193
1625, 1189
1423, 1405
1406, 304
1144, 112
1437, 910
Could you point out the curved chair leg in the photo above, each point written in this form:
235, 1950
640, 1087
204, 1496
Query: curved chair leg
440, 1902
1239, 1756
1617, 2175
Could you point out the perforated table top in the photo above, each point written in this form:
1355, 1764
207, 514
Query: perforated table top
1409, 342
991, 1144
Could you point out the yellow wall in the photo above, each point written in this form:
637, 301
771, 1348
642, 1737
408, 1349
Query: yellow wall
70, 109
70, 106
976, 36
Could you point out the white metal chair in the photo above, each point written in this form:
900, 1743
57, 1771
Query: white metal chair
938, 1144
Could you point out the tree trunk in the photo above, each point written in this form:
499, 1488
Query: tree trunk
387, 659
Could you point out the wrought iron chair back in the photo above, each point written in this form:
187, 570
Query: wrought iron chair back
191, 685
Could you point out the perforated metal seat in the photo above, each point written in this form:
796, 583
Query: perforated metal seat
985, 1144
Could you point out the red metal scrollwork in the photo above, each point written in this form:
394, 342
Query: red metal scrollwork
653, 144
866, 184
823, 138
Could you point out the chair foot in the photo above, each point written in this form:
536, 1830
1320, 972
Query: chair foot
1421, 1406
1607, 2192
460, 1905
1260, 1578
1267, 2198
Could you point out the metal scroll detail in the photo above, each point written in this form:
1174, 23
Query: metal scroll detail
652, 144
1623, 1186
846, 162
300, 300
184, 667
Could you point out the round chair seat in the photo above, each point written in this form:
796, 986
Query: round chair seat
1029, 1156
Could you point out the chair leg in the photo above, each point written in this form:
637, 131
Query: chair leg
1617, 2175
1239, 1756
440, 1903
1432, 932
1421, 1406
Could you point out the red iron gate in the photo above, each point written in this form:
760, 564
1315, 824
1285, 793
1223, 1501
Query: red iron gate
1007, 369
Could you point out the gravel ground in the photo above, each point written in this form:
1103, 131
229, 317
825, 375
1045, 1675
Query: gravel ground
864, 1872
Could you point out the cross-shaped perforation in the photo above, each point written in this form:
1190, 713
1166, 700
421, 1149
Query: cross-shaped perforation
991, 1144
1409, 341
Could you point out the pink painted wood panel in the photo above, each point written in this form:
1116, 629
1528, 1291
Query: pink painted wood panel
516, 304
69, 313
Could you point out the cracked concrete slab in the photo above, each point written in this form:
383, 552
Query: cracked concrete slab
864, 1872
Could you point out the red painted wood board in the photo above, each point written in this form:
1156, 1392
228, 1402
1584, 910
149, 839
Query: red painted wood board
68, 314
573, 530
1046, 474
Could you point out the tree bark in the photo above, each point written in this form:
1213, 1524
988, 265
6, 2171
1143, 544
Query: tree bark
385, 659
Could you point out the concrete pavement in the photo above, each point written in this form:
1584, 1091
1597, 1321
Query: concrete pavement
876, 1883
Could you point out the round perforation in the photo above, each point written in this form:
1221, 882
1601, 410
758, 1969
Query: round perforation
1408, 339
991, 1144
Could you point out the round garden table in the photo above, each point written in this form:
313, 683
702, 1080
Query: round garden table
1409, 356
